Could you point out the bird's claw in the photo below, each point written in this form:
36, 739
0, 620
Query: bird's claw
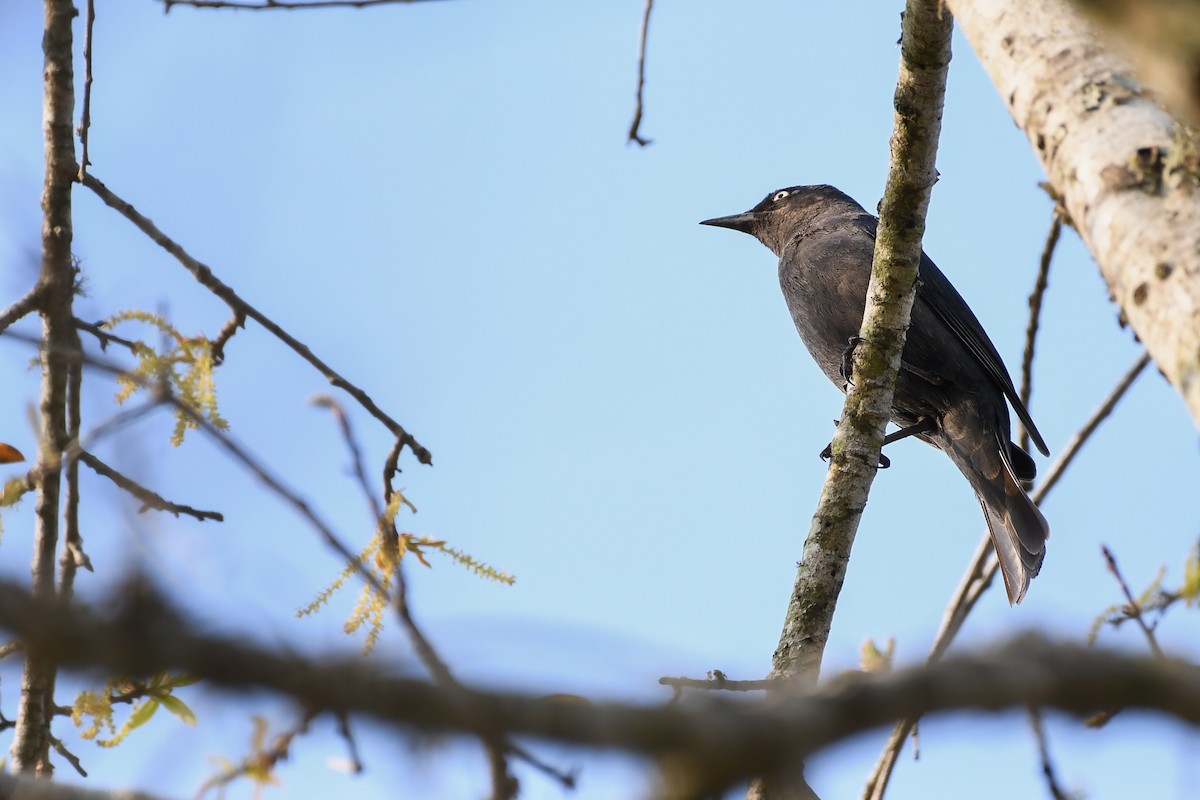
846, 369
827, 453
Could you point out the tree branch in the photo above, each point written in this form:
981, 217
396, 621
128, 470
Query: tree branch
149, 499
1125, 170
920, 93
56, 286
281, 5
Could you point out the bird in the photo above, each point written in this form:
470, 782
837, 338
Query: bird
952, 390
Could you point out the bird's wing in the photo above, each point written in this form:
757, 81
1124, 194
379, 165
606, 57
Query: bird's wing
936, 291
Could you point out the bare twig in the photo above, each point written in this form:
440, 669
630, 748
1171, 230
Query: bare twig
104, 337
73, 555
982, 570
21, 308
1035, 315
634, 132
71, 758
1039, 734
356, 454
85, 119
1134, 608
208, 280
150, 500
238, 320
12, 647
343, 720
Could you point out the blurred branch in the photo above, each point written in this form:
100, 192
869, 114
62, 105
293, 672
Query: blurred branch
16, 787
722, 741
634, 134
208, 280
282, 5
1039, 735
982, 571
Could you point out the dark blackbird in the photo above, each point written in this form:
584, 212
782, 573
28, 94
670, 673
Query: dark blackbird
952, 385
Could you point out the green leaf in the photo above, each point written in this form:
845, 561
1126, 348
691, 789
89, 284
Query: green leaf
182, 679
178, 708
142, 714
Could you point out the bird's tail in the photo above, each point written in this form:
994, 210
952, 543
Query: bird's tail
993, 465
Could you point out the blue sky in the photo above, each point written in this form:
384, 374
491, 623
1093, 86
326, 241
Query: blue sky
438, 199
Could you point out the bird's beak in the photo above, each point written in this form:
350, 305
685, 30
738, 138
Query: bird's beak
739, 222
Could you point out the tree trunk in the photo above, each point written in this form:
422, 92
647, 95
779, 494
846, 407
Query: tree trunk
1124, 169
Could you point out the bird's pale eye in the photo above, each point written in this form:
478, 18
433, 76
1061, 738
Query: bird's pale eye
775, 198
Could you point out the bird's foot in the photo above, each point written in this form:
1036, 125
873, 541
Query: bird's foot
827, 453
847, 366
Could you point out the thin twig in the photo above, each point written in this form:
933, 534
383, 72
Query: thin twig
71, 758
150, 500
9, 649
391, 537
238, 320
634, 133
22, 307
983, 568
1039, 734
208, 280
73, 555
104, 337
1035, 315
85, 119
1134, 608
343, 720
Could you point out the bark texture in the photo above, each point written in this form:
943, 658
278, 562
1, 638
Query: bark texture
1125, 170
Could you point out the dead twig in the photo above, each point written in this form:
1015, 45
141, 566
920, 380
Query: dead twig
634, 132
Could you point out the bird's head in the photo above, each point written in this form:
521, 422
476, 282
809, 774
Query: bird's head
785, 213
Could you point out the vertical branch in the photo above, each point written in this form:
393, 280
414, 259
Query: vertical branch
31, 741
920, 94
85, 119
635, 126
1035, 315
72, 556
